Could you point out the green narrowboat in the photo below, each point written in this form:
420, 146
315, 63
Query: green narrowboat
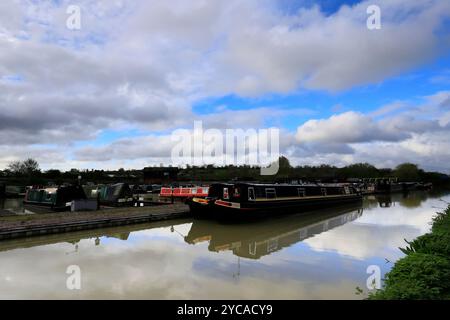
15, 191
2, 190
58, 198
93, 191
119, 194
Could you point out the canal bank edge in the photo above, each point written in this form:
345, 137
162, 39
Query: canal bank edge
12, 227
424, 273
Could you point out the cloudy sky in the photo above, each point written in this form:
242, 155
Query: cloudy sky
110, 94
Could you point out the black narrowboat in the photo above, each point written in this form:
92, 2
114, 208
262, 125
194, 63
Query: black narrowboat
242, 200
2, 190
386, 185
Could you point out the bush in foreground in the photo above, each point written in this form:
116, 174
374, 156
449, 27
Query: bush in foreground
417, 276
424, 273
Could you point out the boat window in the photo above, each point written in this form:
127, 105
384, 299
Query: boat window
271, 193
324, 191
251, 194
225, 193
347, 190
252, 248
272, 245
301, 192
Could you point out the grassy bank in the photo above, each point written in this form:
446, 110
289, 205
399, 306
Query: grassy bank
424, 273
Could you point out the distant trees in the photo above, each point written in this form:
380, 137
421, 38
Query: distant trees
27, 167
408, 172
324, 172
284, 163
24, 172
360, 170
15, 167
28, 173
285, 168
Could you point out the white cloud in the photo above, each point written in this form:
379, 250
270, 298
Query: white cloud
396, 133
348, 127
140, 65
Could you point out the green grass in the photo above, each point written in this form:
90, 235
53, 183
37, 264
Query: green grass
424, 273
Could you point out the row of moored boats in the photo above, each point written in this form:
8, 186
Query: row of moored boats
240, 199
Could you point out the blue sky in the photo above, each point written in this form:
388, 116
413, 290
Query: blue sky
112, 93
411, 86
327, 6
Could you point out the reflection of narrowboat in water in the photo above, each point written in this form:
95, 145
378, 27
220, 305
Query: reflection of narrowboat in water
411, 199
58, 198
424, 186
264, 237
240, 200
384, 200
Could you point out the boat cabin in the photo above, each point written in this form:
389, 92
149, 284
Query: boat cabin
57, 198
245, 192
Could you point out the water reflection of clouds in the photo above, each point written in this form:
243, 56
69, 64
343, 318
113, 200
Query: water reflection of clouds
378, 232
151, 234
158, 268
113, 270
362, 241
158, 263
417, 218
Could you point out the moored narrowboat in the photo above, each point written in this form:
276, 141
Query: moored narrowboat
93, 191
58, 198
15, 191
114, 195
229, 200
387, 185
2, 190
119, 194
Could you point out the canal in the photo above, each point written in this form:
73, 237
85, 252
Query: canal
320, 255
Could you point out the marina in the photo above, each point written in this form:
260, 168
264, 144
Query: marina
158, 234
224, 150
322, 254
68, 208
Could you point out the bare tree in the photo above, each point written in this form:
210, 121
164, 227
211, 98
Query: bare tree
15, 167
28, 167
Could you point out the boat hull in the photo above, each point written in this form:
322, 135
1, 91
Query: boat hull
38, 207
232, 211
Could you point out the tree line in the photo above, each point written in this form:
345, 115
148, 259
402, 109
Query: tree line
29, 172
326, 173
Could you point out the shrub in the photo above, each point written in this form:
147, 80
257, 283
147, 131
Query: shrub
431, 243
417, 276
441, 222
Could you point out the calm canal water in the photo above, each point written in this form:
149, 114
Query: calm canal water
323, 255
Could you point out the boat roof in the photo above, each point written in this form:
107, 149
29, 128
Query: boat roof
257, 184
